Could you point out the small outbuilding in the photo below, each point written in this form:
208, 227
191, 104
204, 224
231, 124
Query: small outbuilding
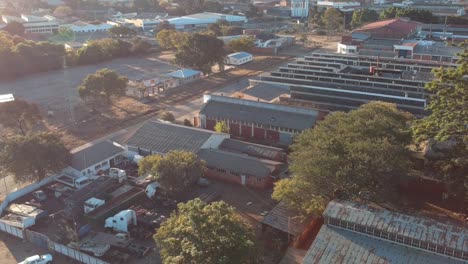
185, 75
238, 58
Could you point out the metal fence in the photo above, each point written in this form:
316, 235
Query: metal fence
12, 230
75, 254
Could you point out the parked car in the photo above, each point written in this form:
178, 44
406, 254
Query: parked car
38, 259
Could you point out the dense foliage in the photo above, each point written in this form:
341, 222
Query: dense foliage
205, 233
177, 171
200, 52
100, 87
363, 16
333, 19
19, 57
34, 156
241, 44
19, 115
357, 154
419, 15
447, 124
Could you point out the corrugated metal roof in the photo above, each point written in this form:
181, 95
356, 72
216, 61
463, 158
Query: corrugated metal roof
425, 229
259, 112
184, 73
164, 137
94, 154
285, 219
335, 245
251, 149
240, 55
238, 163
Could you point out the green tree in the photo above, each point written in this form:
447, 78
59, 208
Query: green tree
389, 13
102, 86
216, 29
192, 6
201, 52
140, 46
333, 19
448, 123
212, 6
205, 233
315, 17
232, 30
34, 156
164, 25
177, 171
221, 127
63, 11
90, 54
19, 115
357, 154
363, 16
122, 31
14, 28
66, 34
253, 11
241, 44
423, 16
169, 39
167, 116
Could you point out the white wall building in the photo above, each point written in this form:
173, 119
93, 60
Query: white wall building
299, 8
144, 24
84, 27
238, 58
203, 20
346, 49
344, 6
35, 24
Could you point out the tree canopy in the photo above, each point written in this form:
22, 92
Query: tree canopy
19, 115
200, 52
32, 157
170, 39
63, 11
357, 154
221, 127
176, 171
19, 57
14, 28
363, 16
333, 19
419, 15
101, 86
448, 122
122, 31
241, 44
205, 233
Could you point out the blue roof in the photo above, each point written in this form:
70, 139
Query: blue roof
183, 73
240, 55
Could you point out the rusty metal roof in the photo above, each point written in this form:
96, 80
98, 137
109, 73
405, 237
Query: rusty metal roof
284, 218
421, 228
335, 245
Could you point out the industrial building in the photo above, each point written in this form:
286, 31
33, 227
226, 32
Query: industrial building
202, 20
35, 24
256, 121
359, 233
336, 82
228, 160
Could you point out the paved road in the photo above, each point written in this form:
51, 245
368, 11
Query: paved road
58, 89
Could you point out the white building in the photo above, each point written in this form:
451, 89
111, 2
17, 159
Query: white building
84, 27
238, 58
35, 24
299, 8
144, 24
343, 6
90, 160
203, 20
185, 75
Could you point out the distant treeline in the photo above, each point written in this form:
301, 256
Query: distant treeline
19, 57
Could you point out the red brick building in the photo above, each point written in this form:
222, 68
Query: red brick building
256, 121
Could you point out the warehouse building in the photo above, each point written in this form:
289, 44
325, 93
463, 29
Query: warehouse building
357, 233
256, 121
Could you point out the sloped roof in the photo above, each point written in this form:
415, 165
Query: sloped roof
163, 137
421, 228
391, 28
237, 163
285, 219
94, 154
340, 246
240, 55
183, 73
259, 112
266, 91
251, 149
